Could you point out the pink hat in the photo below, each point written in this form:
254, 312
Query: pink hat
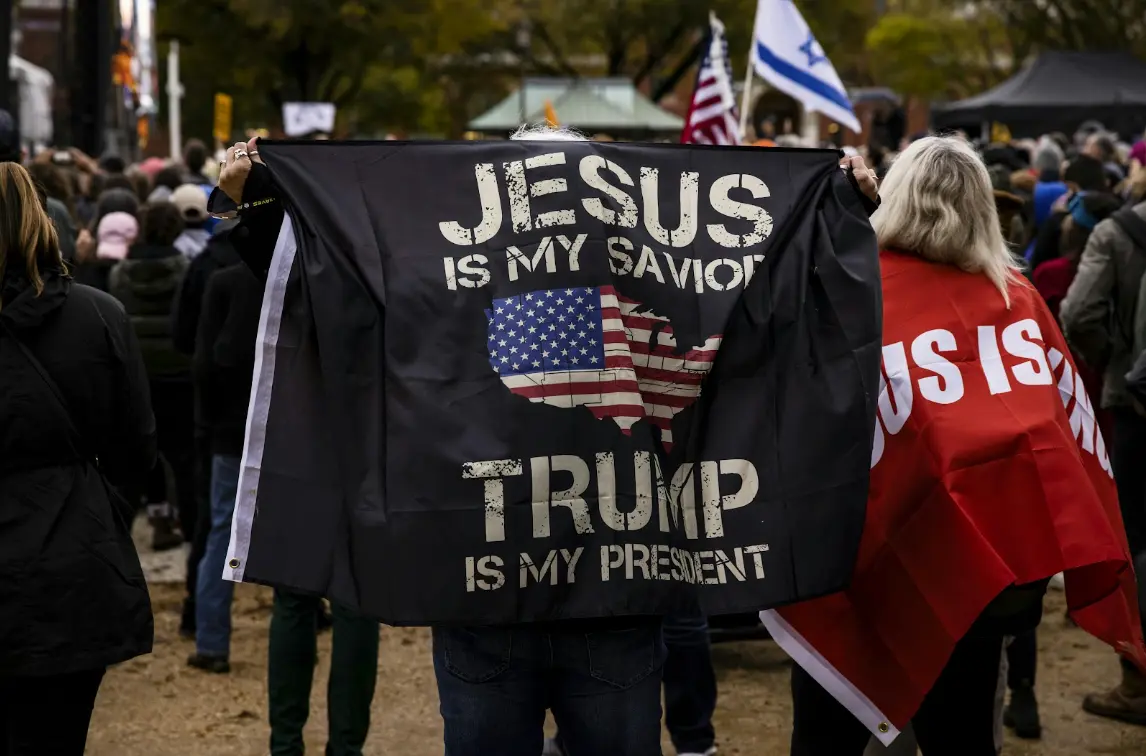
152, 166
115, 234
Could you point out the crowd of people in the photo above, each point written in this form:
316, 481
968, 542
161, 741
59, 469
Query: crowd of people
136, 314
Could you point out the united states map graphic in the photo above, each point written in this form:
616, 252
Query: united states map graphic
597, 349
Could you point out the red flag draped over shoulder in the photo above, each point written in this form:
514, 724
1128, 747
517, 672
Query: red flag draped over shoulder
988, 470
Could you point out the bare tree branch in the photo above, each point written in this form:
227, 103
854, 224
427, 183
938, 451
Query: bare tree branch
657, 53
542, 33
682, 67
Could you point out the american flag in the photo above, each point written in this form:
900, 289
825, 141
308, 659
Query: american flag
594, 348
712, 116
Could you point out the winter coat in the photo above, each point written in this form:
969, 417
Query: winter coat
94, 272
218, 254
147, 283
1099, 309
72, 593
225, 356
65, 229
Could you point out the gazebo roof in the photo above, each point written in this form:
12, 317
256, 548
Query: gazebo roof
594, 104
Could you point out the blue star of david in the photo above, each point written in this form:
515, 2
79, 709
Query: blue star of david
812, 49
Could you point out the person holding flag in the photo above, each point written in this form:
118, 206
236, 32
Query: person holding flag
989, 476
609, 703
785, 53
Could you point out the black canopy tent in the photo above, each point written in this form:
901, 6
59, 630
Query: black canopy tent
1059, 91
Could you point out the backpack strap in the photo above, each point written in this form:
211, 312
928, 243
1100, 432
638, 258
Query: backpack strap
75, 438
1134, 226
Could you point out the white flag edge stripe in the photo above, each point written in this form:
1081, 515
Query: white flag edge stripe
270, 320
822, 671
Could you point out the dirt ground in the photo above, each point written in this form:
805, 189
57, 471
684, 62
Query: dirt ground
157, 706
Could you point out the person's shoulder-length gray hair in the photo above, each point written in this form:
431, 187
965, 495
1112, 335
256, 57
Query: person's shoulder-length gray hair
937, 203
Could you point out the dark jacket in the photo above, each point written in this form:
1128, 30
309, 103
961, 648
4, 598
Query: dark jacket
1047, 240
94, 272
218, 254
225, 356
146, 282
1098, 311
72, 594
65, 229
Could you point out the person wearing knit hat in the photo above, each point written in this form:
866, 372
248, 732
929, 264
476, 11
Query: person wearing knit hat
191, 201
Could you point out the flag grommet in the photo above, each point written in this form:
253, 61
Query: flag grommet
883, 726
233, 564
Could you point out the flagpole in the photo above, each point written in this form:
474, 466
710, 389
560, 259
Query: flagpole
746, 97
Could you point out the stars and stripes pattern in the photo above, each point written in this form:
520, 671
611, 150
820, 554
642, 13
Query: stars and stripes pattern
712, 116
594, 348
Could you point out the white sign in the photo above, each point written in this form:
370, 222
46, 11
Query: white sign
302, 118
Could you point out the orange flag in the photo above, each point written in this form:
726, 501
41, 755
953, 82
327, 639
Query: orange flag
551, 114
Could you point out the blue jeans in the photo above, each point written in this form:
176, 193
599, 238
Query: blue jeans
690, 684
496, 683
213, 594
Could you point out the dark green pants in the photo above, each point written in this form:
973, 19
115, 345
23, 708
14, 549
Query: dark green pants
293, 654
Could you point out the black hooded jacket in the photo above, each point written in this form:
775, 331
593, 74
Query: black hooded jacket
72, 593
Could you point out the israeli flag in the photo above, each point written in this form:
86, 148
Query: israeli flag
786, 54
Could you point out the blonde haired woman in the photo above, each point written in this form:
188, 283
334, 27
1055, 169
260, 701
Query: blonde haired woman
937, 203
982, 486
74, 418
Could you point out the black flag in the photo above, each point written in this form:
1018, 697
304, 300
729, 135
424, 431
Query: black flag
526, 381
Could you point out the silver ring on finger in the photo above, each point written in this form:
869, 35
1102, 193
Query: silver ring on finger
240, 154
